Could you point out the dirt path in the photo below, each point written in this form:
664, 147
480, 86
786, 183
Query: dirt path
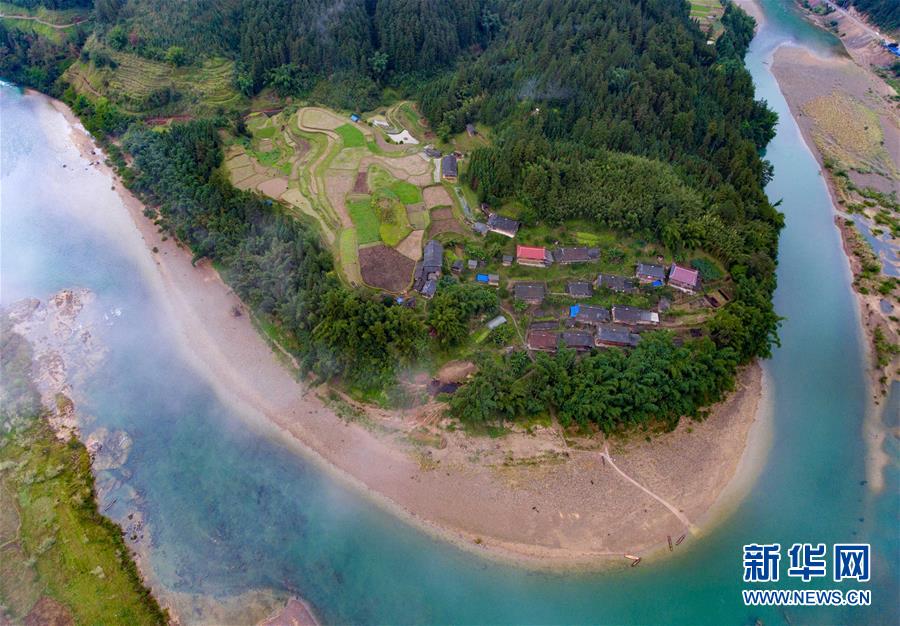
674, 510
40, 21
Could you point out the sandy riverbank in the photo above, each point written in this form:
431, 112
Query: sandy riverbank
846, 114
531, 499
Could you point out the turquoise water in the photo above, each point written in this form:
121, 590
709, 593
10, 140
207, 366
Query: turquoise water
231, 509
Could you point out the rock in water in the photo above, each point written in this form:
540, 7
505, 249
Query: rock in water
108, 449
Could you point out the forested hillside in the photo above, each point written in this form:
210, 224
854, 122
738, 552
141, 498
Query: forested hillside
618, 113
885, 13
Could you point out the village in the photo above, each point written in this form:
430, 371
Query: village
392, 202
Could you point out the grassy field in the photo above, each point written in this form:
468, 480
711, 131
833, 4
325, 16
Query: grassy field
847, 131
54, 542
61, 561
404, 115
407, 193
365, 220
203, 88
351, 136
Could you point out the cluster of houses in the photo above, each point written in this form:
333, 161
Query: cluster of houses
589, 326
428, 269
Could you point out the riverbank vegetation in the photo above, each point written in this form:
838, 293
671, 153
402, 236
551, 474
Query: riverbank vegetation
61, 561
622, 117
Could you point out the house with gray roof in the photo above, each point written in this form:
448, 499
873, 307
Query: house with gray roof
589, 314
502, 225
533, 293
619, 284
609, 335
578, 340
576, 255
428, 269
648, 273
449, 168
633, 316
580, 289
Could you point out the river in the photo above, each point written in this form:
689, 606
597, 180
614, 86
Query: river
231, 509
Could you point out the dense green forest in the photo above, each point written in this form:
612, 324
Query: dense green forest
885, 13
275, 264
618, 113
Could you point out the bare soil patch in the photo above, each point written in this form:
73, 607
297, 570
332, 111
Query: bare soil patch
385, 268
241, 173
49, 612
251, 182
411, 246
338, 183
362, 184
436, 196
410, 168
445, 226
313, 117
301, 147
445, 213
274, 187
456, 371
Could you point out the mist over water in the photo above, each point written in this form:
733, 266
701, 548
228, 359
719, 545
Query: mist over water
231, 507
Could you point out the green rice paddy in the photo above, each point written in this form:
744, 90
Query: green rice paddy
351, 136
365, 220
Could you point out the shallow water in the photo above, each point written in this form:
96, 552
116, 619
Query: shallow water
231, 509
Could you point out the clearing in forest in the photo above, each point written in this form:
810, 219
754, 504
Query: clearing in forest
370, 197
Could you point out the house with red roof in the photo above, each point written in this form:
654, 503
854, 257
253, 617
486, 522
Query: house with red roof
534, 256
684, 279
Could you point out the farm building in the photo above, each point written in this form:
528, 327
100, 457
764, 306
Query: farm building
544, 340
502, 225
576, 255
481, 228
434, 153
449, 169
544, 325
457, 266
580, 289
684, 279
530, 292
648, 273
354, 117
534, 256
609, 335
500, 320
494, 280
589, 314
507, 260
633, 315
428, 270
429, 288
472, 264
470, 130
578, 340
619, 284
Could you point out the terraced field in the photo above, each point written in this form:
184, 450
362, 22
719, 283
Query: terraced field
55, 25
367, 201
708, 13
203, 87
